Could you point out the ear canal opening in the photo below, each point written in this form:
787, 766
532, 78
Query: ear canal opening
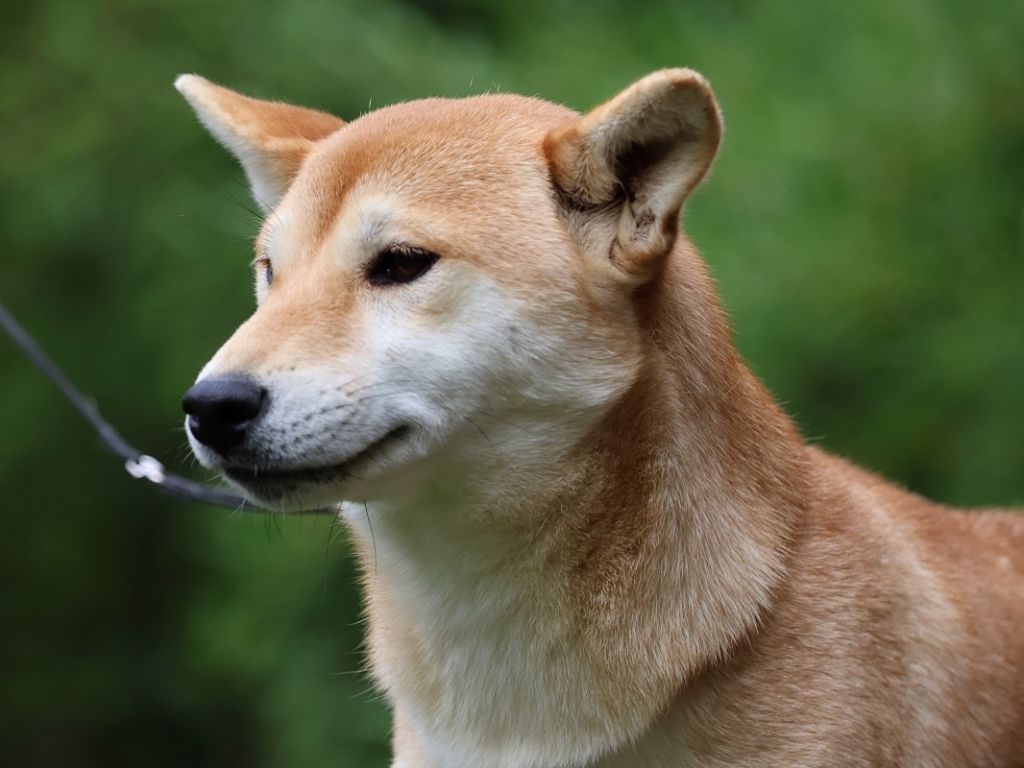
637, 159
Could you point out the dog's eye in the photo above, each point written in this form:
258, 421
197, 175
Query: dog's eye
400, 264
264, 266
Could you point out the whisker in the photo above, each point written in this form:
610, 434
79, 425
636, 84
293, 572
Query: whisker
482, 433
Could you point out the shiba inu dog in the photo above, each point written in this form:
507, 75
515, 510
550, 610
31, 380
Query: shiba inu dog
589, 535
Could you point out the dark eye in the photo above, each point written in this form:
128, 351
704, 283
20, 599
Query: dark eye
400, 264
264, 266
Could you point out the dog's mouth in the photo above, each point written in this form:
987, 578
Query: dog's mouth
270, 483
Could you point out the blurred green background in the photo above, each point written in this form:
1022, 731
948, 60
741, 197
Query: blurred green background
865, 221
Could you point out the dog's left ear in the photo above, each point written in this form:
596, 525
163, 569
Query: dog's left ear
624, 169
269, 138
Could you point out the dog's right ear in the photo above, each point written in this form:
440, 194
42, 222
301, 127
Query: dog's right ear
269, 138
624, 169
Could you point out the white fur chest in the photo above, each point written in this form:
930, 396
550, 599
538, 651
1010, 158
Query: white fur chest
482, 655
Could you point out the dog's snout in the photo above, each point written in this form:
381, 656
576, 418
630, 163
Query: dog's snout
222, 409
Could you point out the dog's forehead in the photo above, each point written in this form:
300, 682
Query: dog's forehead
426, 135
432, 151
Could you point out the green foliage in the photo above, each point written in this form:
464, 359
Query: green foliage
864, 220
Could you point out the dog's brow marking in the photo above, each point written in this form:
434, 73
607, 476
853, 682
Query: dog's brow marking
373, 230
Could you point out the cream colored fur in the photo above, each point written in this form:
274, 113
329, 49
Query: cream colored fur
597, 541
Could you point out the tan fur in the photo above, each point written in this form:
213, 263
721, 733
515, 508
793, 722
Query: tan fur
687, 583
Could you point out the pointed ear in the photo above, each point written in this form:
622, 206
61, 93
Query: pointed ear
624, 169
269, 138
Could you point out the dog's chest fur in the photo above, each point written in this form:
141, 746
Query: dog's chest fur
480, 651
480, 644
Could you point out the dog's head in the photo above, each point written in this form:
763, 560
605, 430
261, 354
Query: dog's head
444, 287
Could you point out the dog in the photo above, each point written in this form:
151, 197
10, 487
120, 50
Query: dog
589, 536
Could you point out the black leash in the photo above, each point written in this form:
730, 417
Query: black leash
139, 465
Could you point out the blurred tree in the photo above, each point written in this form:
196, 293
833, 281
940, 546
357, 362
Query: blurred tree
865, 220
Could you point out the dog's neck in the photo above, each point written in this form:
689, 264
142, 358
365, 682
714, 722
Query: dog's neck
572, 611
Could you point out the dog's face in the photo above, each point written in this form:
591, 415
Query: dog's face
443, 286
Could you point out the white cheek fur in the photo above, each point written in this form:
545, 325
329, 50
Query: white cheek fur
455, 358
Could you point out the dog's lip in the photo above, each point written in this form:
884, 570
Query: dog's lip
263, 475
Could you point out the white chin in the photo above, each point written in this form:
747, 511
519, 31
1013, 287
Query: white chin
303, 489
292, 498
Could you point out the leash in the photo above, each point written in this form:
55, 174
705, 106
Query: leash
139, 465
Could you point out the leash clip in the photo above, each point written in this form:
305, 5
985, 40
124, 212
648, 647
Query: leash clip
147, 467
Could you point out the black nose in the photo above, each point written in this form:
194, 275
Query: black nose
221, 410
